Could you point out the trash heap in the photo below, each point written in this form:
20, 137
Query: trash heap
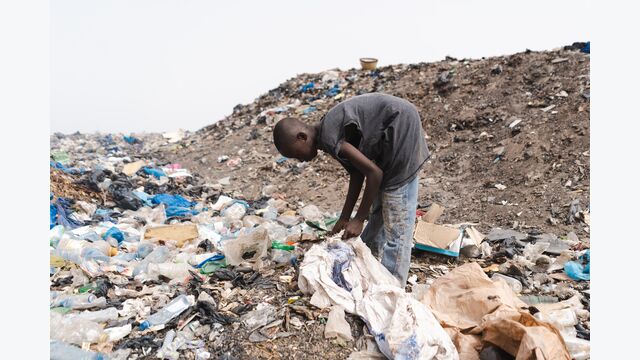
210, 245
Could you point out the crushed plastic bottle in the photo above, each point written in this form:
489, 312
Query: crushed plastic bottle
170, 311
235, 211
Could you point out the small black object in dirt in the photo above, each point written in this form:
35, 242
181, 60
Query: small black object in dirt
209, 314
102, 286
248, 255
443, 79
494, 353
121, 190
496, 70
147, 341
225, 274
62, 281
582, 333
206, 245
575, 46
242, 309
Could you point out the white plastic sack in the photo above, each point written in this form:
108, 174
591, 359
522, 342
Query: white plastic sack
403, 327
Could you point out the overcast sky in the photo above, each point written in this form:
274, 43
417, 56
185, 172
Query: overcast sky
152, 65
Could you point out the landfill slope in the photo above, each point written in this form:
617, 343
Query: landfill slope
467, 107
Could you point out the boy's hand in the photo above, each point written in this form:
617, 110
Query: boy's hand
352, 229
339, 225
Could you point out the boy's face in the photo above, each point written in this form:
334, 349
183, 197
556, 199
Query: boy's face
302, 148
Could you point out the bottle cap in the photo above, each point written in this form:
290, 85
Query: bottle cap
113, 251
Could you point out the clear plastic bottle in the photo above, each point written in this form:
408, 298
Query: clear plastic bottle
77, 301
271, 213
59, 350
170, 311
158, 255
144, 249
78, 251
99, 316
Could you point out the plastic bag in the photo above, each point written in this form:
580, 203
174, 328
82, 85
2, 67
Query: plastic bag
401, 326
336, 325
250, 247
579, 270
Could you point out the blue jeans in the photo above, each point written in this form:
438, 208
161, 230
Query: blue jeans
389, 231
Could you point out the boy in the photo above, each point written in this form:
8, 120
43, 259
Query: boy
379, 140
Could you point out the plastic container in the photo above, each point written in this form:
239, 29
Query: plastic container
514, 284
59, 350
170, 311
271, 213
311, 213
368, 63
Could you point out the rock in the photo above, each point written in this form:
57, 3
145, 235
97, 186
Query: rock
497, 234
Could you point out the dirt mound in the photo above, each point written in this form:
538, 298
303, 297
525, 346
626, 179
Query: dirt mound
509, 138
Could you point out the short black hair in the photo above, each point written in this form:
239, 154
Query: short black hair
285, 131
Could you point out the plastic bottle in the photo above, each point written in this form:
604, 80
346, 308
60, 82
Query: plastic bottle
73, 330
79, 250
170, 311
159, 254
281, 246
79, 301
173, 271
59, 350
99, 316
514, 284
144, 249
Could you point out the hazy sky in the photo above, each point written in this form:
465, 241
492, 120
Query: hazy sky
152, 65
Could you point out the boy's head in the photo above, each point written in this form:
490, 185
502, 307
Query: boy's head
295, 139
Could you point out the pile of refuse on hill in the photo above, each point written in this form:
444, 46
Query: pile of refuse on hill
148, 259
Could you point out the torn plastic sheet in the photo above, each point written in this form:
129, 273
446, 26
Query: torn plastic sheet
402, 327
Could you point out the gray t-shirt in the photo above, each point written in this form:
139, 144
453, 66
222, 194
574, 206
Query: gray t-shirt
386, 129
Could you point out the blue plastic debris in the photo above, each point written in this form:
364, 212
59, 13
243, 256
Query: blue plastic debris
333, 91
579, 270
308, 110
53, 215
115, 233
176, 205
282, 159
213, 258
157, 173
172, 200
144, 197
306, 87
130, 139
64, 214
104, 215
587, 48
68, 170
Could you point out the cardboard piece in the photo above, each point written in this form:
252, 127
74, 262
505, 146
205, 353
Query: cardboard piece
437, 238
433, 214
178, 233
132, 168
466, 300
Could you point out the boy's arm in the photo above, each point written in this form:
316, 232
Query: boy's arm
373, 175
355, 185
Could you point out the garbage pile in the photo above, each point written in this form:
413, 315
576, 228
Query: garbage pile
209, 245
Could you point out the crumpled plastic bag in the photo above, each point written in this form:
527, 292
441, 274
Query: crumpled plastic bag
256, 242
402, 327
468, 304
337, 325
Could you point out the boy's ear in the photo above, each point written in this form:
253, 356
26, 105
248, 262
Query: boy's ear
301, 136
